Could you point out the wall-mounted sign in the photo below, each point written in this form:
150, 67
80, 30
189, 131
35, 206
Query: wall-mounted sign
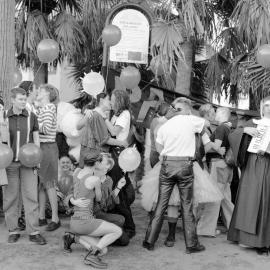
134, 44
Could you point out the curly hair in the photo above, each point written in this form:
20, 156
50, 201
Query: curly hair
53, 92
122, 101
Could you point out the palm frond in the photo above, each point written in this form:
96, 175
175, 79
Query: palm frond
229, 43
32, 32
69, 34
73, 6
217, 77
251, 18
166, 42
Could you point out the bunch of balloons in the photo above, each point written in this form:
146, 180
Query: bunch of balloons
67, 119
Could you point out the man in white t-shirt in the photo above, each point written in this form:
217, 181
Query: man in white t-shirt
176, 144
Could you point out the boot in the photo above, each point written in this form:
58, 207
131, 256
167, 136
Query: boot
92, 258
169, 242
68, 240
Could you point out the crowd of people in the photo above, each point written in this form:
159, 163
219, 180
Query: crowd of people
193, 160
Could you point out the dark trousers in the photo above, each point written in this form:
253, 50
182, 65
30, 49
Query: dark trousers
180, 173
127, 193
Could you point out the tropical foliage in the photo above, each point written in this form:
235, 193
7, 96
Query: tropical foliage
234, 28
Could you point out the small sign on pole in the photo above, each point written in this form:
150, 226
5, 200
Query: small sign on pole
134, 44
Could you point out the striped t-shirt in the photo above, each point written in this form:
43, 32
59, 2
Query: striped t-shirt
47, 121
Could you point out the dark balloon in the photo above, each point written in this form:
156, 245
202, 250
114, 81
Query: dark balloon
6, 156
30, 155
47, 50
111, 35
130, 77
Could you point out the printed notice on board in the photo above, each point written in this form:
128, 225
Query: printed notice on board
134, 43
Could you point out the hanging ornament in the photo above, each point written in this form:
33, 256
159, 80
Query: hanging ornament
130, 77
93, 83
263, 55
135, 95
17, 77
111, 35
47, 50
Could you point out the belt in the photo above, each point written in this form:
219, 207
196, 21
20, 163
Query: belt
169, 158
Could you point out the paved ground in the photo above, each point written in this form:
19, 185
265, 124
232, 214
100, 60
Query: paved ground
220, 254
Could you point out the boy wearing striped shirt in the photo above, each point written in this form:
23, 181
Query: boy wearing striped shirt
48, 173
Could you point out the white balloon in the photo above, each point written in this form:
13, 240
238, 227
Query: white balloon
75, 152
93, 83
69, 124
62, 109
91, 181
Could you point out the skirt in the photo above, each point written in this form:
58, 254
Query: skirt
48, 172
251, 216
204, 189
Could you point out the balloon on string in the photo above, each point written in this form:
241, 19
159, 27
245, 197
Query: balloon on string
130, 77
69, 124
6, 156
93, 83
129, 159
263, 55
17, 77
91, 181
30, 155
111, 35
47, 50
75, 152
135, 95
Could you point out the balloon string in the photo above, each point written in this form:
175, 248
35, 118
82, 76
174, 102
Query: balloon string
107, 71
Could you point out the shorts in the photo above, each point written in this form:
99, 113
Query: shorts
84, 226
48, 172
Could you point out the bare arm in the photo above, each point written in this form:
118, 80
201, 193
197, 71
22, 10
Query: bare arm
114, 130
36, 138
115, 142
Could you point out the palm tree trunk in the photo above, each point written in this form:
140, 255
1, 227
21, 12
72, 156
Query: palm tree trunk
183, 77
7, 48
